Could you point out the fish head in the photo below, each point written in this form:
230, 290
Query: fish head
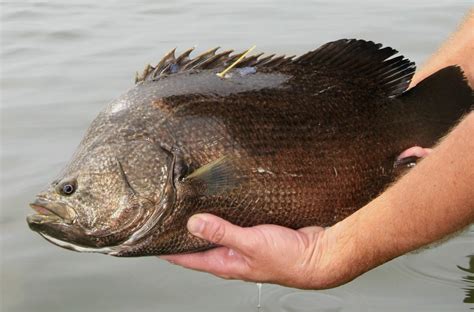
102, 198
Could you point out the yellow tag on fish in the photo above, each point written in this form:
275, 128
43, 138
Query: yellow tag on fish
222, 73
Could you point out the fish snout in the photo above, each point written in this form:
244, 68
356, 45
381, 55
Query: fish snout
49, 210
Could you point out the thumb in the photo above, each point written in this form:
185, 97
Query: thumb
216, 230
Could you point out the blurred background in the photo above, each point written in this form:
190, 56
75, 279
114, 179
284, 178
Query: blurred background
61, 62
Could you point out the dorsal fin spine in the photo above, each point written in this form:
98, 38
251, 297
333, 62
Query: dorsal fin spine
206, 60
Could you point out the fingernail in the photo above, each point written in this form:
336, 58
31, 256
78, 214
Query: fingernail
196, 225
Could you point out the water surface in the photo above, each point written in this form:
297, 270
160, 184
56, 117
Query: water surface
62, 61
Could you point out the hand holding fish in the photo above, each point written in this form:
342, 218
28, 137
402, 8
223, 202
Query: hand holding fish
263, 253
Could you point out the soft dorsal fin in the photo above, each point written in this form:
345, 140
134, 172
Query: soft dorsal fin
365, 59
356, 57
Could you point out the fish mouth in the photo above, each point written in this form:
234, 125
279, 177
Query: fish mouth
49, 212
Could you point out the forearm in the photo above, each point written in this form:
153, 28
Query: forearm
458, 50
433, 200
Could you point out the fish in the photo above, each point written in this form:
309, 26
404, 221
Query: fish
292, 141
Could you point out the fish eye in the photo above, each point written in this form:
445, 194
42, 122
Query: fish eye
67, 188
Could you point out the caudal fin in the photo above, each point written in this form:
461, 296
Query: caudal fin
434, 106
443, 97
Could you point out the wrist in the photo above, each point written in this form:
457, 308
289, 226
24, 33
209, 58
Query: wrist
341, 261
360, 242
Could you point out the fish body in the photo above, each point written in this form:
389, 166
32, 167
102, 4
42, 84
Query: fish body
293, 142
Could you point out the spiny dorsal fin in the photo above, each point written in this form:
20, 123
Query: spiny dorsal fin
357, 57
365, 59
210, 59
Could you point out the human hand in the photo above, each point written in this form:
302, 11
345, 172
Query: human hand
263, 253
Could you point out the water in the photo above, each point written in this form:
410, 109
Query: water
62, 61
259, 296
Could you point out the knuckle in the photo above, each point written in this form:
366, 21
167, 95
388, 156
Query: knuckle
251, 245
251, 242
217, 233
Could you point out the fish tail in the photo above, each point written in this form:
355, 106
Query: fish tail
439, 102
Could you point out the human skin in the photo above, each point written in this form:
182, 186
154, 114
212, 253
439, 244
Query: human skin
435, 199
457, 50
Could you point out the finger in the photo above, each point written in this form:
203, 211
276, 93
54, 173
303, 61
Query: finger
221, 261
311, 230
416, 151
219, 231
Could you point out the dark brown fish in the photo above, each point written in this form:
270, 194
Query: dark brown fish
294, 142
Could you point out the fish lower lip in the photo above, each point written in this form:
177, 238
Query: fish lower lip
41, 218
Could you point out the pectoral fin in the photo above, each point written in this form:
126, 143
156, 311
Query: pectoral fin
218, 176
